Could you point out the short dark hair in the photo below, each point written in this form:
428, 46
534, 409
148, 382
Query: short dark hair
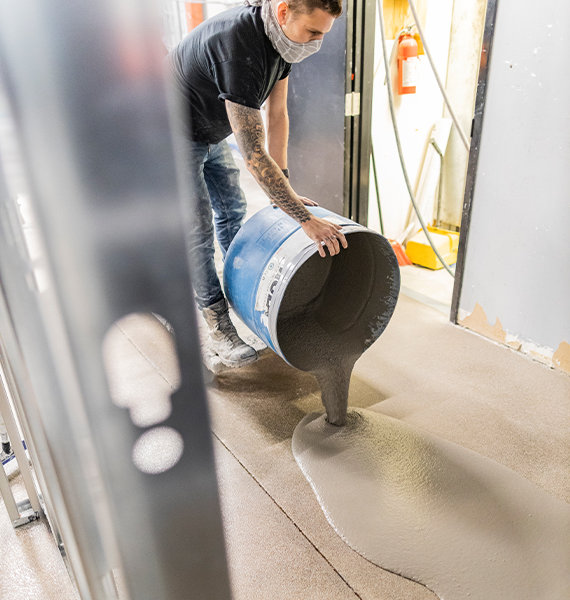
333, 7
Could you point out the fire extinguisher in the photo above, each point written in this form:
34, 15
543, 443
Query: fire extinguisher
407, 64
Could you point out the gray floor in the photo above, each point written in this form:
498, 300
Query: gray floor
424, 370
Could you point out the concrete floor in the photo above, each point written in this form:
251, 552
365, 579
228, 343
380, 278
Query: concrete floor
424, 370
279, 544
31, 567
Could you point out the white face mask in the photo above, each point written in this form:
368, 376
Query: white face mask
292, 52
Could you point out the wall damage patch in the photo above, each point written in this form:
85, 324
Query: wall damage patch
561, 357
477, 321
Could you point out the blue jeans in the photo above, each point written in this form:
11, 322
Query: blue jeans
219, 203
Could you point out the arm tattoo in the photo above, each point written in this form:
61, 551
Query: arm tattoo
247, 126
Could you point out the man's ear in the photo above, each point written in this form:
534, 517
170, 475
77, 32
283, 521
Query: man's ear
281, 12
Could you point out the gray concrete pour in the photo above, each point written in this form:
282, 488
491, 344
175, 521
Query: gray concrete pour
423, 371
461, 524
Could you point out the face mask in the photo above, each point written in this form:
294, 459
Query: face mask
292, 52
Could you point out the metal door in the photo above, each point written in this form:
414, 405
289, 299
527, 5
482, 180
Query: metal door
330, 105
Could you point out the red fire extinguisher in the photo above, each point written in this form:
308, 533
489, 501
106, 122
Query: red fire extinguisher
407, 64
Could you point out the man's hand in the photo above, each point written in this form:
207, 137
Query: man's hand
324, 233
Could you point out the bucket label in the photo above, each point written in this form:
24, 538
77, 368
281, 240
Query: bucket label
279, 268
268, 282
273, 273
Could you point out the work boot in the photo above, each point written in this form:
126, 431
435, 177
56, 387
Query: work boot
223, 338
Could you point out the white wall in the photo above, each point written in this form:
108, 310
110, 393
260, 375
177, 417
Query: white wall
463, 67
518, 252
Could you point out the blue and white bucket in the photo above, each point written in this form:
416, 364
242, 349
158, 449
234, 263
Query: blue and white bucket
273, 272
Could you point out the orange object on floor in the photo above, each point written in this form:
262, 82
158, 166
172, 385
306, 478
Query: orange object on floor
401, 255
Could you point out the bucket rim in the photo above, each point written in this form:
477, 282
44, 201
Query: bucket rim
294, 264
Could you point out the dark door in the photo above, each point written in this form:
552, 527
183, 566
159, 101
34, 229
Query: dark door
330, 99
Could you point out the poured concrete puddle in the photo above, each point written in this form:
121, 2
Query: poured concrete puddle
461, 524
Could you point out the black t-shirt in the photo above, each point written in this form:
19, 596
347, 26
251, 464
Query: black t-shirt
227, 57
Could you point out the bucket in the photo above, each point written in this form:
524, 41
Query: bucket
305, 307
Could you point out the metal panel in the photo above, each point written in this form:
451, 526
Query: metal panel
28, 363
91, 115
30, 509
316, 104
362, 77
330, 108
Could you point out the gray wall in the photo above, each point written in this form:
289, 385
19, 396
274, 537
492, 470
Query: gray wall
517, 260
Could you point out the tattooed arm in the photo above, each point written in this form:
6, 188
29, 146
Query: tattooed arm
278, 128
278, 123
249, 132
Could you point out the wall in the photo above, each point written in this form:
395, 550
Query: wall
517, 261
463, 66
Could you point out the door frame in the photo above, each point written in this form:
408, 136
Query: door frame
476, 129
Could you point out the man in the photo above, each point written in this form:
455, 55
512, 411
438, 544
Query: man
226, 69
